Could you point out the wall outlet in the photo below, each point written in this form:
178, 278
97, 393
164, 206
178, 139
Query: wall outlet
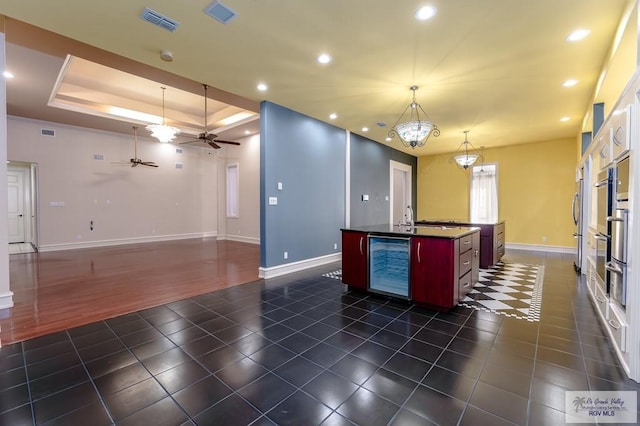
335, 246
286, 254
544, 239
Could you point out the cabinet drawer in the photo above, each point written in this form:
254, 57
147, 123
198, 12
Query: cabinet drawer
466, 243
618, 328
464, 285
601, 300
465, 262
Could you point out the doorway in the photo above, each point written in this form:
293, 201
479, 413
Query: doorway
401, 194
22, 218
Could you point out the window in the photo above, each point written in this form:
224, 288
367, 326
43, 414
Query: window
233, 190
484, 194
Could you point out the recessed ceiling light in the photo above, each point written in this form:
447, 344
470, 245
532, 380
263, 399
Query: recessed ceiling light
262, 87
333, 116
324, 58
565, 119
247, 132
365, 129
425, 12
8, 74
570, 83
578, 35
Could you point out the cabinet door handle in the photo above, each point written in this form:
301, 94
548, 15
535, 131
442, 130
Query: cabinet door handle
466, 284
600, 299
466, 263
614, 324
361, 253
467, 242
419, 261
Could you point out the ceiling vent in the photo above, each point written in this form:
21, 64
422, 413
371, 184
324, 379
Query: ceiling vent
47, 132
220, 12
159, 19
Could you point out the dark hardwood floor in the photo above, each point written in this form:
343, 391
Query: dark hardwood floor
54, 291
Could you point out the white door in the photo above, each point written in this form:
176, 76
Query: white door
400, 175
15, 180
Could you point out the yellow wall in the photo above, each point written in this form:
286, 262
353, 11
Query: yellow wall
536, 183
618, 67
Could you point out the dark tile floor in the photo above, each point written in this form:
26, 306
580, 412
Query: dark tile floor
301, 350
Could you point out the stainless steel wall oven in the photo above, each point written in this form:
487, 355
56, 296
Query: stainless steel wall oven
604, 194
617, 265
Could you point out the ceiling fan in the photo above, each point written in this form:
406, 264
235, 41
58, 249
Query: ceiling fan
135, 161
206, 137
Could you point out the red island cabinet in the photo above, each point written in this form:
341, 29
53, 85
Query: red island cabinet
443, 270
354, 259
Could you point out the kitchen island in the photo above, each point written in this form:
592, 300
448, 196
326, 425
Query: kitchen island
491, 238
432, 266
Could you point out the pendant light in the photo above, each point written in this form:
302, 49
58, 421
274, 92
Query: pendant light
466, 154
162, 132
415, 131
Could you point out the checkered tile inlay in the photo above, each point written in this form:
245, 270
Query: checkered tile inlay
510, 289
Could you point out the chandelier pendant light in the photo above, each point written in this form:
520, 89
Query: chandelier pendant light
466, 154
414, 131
162, 132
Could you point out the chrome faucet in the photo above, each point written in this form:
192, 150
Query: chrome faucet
410, 220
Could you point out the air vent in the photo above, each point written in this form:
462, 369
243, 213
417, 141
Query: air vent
178, 150
47, 132
98, 157
220, 12
178, 165
159, 19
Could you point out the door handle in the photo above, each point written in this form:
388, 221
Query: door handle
419, 252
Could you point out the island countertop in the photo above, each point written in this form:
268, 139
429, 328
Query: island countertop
451, 232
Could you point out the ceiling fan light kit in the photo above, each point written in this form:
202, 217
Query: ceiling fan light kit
414, 131
162, 132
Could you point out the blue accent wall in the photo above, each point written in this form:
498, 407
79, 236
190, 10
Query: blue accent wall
308, 157
370, 175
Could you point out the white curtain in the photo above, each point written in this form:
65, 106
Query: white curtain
233, 188
484, 194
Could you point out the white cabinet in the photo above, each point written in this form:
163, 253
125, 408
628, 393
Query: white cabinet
620, 130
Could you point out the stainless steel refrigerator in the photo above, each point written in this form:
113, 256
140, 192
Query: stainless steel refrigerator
576, 210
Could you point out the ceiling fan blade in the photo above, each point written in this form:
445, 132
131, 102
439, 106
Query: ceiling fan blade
210, 136
148, 163
229, 142
214, 145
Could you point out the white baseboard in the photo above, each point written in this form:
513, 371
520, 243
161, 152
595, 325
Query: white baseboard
535, 247
6, 300
240, 239
118, 242
288, 268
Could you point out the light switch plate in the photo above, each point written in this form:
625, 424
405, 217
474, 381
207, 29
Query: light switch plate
273, 201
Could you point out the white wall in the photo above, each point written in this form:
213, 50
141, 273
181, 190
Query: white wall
126, 204
246, 227
6, 296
